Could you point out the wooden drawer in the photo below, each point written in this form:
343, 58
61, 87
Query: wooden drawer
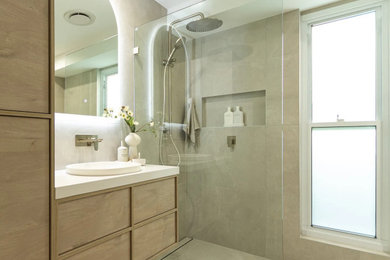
154, 237
87, 219
152, 199
117, 248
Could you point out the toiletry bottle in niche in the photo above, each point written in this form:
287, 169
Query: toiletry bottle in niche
228, 118
123, 153
238, 117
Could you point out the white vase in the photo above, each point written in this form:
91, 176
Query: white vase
133, 140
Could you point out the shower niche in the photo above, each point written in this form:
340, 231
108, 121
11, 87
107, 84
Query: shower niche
252, 104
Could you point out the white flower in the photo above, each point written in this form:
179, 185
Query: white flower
151, 124
130, 113
136, 123
126, 108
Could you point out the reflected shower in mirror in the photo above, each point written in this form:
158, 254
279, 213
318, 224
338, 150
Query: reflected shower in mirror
86, 57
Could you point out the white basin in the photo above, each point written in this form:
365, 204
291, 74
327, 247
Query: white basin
102, 168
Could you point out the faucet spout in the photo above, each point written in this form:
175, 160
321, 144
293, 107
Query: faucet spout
88, 140
96, 144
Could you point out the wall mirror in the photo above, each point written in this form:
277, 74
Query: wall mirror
86, 57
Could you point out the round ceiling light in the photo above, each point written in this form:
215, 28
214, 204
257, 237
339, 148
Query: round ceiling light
79, 17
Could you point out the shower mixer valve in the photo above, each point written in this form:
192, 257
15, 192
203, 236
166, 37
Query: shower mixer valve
231, 141
169, 63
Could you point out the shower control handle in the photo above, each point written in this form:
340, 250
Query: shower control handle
231, 141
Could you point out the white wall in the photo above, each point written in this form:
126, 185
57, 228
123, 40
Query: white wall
130, 14
67, 126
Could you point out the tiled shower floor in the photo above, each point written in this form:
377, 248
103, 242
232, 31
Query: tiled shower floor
201, 250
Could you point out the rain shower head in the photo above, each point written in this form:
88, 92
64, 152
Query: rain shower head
204, 25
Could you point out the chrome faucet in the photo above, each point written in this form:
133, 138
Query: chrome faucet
88, 140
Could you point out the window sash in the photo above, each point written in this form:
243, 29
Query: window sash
342, 125
350, 14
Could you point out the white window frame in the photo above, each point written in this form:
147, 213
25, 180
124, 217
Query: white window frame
379, 244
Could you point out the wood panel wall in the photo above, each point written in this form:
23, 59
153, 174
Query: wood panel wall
26, 128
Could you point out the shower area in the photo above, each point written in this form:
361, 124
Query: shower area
210, 76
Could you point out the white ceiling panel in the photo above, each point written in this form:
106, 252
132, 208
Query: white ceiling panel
303, 5
175, 5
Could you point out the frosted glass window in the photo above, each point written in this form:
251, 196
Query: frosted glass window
343, 179
344, 69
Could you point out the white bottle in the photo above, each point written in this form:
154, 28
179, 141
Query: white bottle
228, 118
238, 117
123, 153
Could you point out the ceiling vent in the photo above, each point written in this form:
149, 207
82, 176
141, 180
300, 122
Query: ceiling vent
79, 17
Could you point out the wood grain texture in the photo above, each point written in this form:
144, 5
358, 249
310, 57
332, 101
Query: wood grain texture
24, 188
152, 199
115, 249
84, 220
24, 55
154, 237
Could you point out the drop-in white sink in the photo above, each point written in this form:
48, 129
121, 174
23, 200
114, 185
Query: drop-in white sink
102, 168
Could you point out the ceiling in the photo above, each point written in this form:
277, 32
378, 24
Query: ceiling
175, 5
303, 5
233, 13
69, 37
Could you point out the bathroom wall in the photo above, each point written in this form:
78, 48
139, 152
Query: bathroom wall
294, 246
129, 14
59, 91
67, 126
151, 39
80, 93
234, 196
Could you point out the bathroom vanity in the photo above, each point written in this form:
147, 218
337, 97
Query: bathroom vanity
130, 216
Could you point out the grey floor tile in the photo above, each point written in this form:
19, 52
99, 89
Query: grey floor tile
201, 250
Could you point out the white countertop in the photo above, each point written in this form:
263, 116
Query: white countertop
67, 185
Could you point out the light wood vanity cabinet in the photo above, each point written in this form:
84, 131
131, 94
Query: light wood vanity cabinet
24, 188
25, 55
26, 129
133, 222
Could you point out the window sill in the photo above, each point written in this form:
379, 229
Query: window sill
339, 239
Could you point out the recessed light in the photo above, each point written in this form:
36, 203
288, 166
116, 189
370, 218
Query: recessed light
79, 17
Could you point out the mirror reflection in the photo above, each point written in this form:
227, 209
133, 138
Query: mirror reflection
86, 57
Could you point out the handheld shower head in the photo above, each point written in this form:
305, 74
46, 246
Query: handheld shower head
179, 42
